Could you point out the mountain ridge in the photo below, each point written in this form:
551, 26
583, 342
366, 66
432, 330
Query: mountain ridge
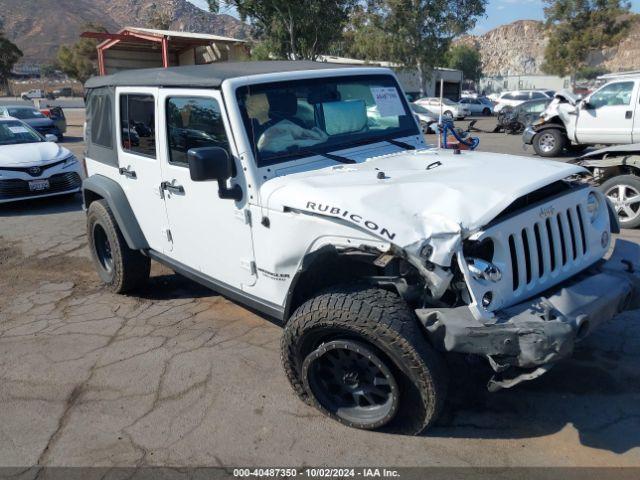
28, 27
517, 48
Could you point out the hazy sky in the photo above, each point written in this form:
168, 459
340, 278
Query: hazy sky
498, 12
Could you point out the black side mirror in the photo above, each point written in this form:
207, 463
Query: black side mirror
586, 105
214, 163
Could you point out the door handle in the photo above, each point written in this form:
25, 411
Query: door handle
628, 115
127, 173
176, 189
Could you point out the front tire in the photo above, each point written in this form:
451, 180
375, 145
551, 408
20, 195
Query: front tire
119, 267
624, 193
486, 112
549, 142
358, 355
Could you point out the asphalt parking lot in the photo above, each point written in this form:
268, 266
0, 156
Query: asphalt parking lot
180, 376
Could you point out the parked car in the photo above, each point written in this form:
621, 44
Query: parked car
449, 108
515, 98
34, 166
616, 170
33, 117
609, 116
63, 92
425, 117
56, 114
378, 254
516, 119
35, 93
478, 106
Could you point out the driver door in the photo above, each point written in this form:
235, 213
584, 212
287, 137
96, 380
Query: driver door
607, 116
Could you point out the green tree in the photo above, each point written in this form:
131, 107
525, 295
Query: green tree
578, 28
301, 29
413, 33
9, 55
80, 60
465, 58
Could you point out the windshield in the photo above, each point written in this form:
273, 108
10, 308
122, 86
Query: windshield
25, 113
418, 109
13, 133
289, 120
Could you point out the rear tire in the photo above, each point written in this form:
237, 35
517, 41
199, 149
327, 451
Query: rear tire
119, 267
620, 189
549, 142
378, 331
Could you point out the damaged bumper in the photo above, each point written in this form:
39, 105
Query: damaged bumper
528, 134
525, 340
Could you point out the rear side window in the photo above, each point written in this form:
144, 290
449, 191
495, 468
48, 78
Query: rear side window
137, 124
193, 122
536, 95
101, 120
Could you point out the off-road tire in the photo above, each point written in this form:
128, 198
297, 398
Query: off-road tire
382, 321
558, 137
631, 181
129, 268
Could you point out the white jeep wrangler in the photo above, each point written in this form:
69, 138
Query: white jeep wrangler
306, 192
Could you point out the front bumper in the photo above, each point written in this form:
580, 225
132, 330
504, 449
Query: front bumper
528, 134
525, 340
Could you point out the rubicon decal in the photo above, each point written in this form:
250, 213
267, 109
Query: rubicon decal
352, 217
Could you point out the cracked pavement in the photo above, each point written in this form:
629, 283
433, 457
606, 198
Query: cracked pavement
179, 376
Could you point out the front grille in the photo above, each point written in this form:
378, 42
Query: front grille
61, 182
548, 246
34, 171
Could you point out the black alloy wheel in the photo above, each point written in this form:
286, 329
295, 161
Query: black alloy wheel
350, 381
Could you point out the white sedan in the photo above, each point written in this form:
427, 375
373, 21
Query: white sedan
33, 166
425, 117
449, 108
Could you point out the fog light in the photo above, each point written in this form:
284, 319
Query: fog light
604, 239
486, 299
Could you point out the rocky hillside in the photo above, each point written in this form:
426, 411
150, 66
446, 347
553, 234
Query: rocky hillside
39, 27
518, 49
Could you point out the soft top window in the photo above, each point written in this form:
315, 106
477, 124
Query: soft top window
294, 119
101, 118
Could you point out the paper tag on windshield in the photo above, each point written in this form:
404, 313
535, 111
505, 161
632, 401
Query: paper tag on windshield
388, 101
18, 129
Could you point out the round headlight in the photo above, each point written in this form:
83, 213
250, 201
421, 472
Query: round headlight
593, 206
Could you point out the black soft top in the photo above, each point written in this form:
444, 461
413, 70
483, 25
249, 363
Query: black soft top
210, 75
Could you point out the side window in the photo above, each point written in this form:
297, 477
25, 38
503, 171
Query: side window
507, 96
137, 124
536, 95
612, 95
521, 96
193, 122
101, 120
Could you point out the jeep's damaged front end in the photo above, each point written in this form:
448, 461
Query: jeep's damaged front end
536, 283
498, 259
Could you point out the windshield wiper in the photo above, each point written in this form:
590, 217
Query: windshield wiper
406, 146
337, 158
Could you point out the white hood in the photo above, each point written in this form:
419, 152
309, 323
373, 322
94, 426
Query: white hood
429, 194
30, 154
